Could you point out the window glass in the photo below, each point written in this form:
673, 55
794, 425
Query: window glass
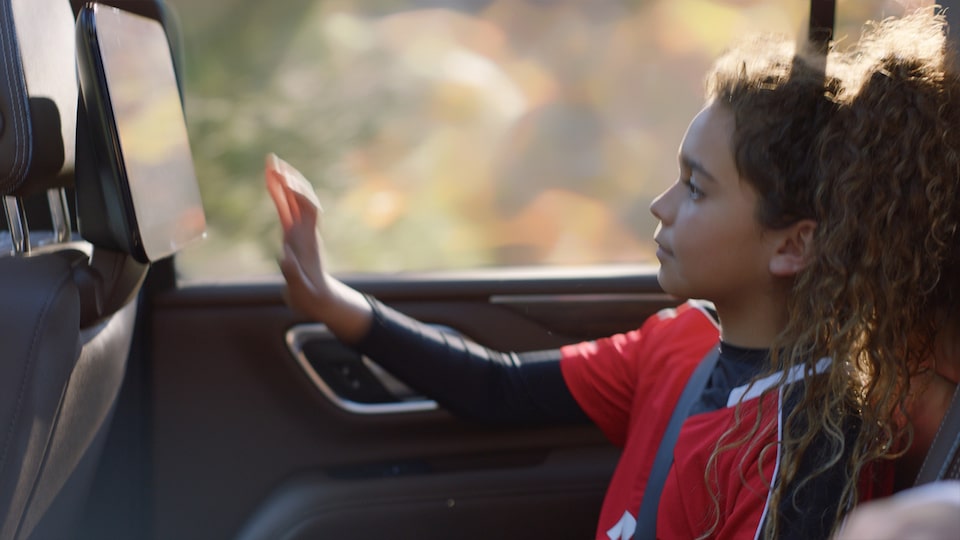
451, 134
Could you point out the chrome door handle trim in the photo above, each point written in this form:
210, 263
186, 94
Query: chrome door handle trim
407, 400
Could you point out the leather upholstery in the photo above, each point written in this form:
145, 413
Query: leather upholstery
41, 340
38, 96
67, 311
85, 416
58, 387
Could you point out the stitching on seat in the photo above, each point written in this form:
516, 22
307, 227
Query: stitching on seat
7, 38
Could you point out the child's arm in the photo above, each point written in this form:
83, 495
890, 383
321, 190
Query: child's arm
473, 381
310, 289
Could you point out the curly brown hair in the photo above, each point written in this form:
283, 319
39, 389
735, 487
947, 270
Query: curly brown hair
869, 148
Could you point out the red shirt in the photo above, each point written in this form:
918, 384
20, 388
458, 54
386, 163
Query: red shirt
628, 385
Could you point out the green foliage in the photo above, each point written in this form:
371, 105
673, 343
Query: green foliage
521, 133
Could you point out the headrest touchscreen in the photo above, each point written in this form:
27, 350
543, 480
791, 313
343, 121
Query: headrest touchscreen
131, 95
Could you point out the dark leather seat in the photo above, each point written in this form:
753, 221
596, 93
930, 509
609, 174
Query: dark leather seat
67, 308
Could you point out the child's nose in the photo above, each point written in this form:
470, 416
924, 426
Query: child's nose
661, 207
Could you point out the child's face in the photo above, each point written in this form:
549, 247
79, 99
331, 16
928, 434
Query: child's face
711, 245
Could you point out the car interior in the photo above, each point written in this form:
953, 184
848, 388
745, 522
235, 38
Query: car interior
136, 404
69, 306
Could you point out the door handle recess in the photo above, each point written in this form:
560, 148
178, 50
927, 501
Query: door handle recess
350, 381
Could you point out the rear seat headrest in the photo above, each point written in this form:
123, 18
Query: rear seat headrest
48, 140
38, 96
47, 147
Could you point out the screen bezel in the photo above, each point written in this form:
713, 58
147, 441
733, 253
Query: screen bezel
114, 221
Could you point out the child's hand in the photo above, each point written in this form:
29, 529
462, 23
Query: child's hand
299, 211
928, 512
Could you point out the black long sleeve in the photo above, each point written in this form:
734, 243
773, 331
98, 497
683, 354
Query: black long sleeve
468, 379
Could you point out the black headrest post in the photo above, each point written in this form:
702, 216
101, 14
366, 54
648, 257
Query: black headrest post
823, 15
17, 225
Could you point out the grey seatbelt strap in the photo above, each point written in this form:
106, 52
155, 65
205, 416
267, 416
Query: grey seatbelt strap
943, 458
647, 515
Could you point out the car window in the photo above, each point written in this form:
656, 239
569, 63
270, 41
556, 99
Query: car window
453, 134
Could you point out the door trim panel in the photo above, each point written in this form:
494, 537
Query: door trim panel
356, 370
235, 418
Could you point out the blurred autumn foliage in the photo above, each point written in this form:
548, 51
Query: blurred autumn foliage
450, 134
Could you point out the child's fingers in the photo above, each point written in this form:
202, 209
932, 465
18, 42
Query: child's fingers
296, 182
278, 192
299, 211
279, 198
294, 196
306, 211
303, 245
303, 237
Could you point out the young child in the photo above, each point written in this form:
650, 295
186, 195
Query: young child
777, 444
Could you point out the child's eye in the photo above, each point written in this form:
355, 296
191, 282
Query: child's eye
695, 191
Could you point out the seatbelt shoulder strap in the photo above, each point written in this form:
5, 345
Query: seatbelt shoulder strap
943, 458
647, 515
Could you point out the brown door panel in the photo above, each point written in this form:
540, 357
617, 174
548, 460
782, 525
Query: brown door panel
556, 496
235, 418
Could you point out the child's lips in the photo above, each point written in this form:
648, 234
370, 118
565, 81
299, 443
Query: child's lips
663, 250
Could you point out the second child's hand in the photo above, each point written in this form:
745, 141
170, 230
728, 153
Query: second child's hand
310, 289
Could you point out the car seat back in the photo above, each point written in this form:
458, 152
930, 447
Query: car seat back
67, 307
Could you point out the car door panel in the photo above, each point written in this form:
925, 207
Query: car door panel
240, 430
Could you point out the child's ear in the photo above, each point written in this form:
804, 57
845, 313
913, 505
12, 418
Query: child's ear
793, 249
